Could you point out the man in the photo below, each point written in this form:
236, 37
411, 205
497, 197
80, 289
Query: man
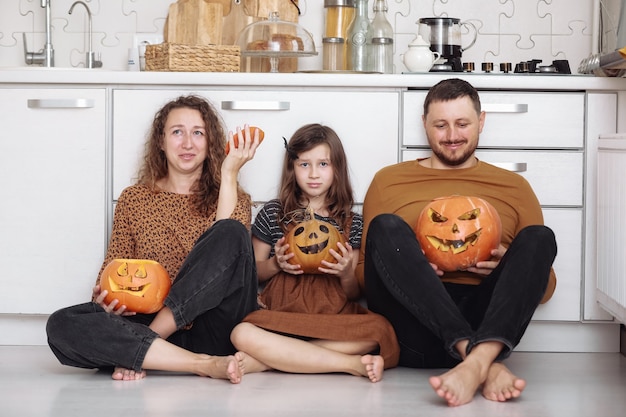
465, 320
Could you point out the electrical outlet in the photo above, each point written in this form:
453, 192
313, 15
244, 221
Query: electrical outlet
150, 38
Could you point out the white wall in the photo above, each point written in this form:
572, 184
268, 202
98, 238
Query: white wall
509, 30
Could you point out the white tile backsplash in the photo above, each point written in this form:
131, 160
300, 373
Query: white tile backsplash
508, 30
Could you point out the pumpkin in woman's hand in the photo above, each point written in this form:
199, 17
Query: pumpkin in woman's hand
139, 284
310, 241
236, 137
456, 232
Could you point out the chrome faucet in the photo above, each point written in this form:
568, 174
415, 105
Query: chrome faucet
44, 57
90, 56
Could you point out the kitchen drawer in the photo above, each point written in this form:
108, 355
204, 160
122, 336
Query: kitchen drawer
366, 122
556, 176
520, 120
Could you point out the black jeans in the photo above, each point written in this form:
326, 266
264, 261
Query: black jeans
215, 289
430, 316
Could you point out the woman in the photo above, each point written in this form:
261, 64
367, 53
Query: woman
188, 213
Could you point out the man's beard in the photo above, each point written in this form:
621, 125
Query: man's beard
459, 159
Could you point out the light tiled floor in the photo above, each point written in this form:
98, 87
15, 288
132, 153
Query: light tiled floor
33, 383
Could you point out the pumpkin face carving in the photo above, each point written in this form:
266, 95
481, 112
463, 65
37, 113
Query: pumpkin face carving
311, 241
456, 232
139, 284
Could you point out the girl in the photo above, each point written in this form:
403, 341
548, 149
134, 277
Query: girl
312, 323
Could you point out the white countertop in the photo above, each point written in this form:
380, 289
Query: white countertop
77, 77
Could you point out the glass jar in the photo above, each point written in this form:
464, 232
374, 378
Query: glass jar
339, 15
358, 44
381, 57
333, 58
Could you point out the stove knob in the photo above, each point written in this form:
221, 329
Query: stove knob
487, 66
522, 67
505, 67
468, 67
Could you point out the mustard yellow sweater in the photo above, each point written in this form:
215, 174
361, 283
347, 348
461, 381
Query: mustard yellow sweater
405, 188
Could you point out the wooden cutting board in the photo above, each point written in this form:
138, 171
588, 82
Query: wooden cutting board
194, 22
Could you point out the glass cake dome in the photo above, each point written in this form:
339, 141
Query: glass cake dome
274, 38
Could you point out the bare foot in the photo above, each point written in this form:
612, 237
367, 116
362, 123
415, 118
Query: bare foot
374, 366
221, 367
123, 374
459, 384
250, 365
501, 384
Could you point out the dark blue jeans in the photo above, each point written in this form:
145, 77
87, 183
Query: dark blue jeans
215, 289
430, 316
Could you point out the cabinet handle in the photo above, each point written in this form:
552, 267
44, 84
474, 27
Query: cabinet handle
255, 105
505, 108
511, 166
60, 103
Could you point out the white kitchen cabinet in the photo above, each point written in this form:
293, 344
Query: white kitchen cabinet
367, 123
513, 120
52, 179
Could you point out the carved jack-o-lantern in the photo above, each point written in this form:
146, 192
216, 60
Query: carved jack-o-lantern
456, 232
139, 284
311, 241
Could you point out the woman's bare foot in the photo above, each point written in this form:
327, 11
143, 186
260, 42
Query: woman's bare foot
458, 386
123, 374
374, 366
250, 365
221, 367
501, 384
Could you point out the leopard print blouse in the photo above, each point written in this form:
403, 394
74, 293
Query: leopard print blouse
161, 226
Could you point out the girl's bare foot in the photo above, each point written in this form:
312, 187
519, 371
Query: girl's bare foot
501, 384
123, 374
459, 384
221, 367
249, 365
374, 366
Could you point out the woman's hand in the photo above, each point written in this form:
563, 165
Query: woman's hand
486, 267
98, 296
247, 143
281, 257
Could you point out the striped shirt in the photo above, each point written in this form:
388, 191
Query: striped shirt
266, 225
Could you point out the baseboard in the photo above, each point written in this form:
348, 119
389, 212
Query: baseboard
541, 336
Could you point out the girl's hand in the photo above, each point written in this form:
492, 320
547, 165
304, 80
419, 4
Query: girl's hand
281, 257
98, 296
344, 257
486, 267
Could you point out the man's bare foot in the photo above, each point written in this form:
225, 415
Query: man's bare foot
221, 367
501, 384
374, 366
459, 384
123, 374
250, 365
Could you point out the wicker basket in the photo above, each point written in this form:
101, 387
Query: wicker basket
192, 58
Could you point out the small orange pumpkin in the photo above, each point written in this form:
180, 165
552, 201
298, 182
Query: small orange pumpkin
139, 284
236, 138
311, 241
456, 232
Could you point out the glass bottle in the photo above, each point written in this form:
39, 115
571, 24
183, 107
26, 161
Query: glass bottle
381, 57
358, 43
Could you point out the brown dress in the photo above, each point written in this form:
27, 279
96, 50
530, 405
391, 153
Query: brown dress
314, 306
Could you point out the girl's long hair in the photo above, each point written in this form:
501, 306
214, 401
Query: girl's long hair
340, 198
205, 191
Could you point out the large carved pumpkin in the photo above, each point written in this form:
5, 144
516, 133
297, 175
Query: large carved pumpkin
456, 232
311, 241
139, 284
